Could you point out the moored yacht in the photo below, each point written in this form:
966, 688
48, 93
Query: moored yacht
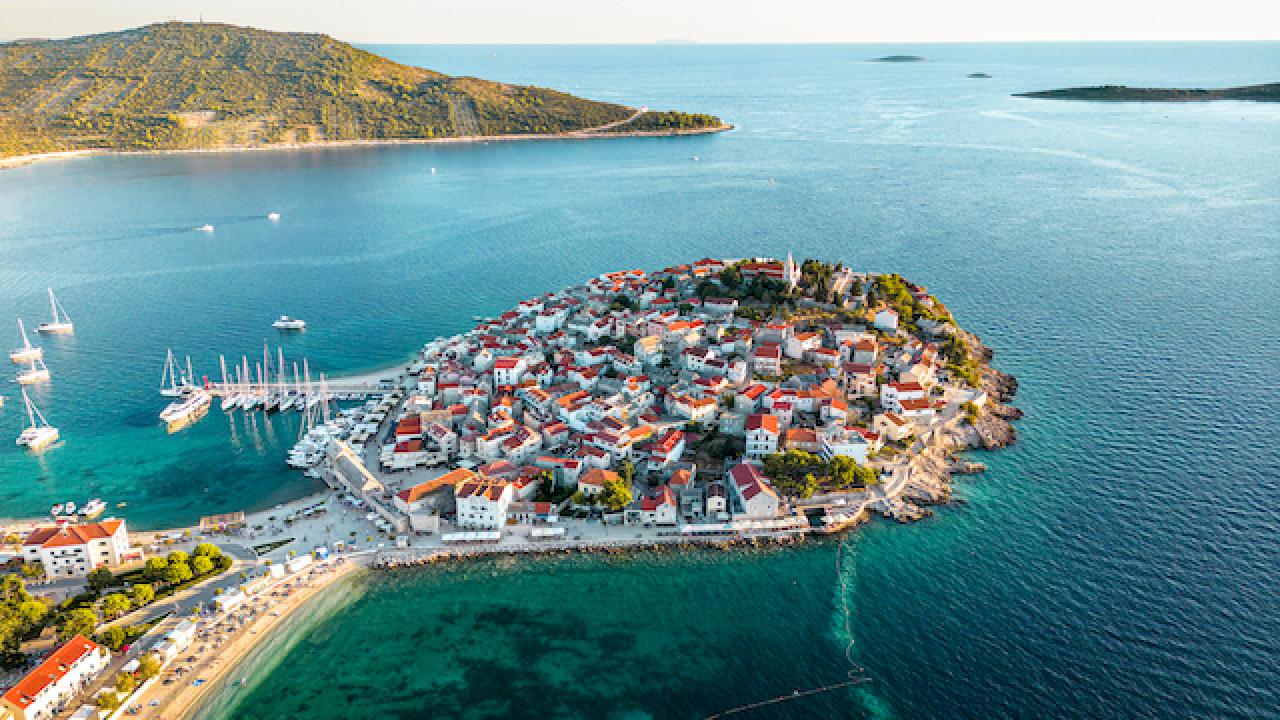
61, 323
36, 372
189, 407
93, 508
38, 434
27, 352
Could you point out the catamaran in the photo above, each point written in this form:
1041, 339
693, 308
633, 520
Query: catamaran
61, 323
37, 435
28, 351
189, 408
36, 372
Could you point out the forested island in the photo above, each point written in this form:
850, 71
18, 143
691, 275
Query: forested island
206, 86
899, 59
1122, 93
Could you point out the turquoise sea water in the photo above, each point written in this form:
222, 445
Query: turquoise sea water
1119, 561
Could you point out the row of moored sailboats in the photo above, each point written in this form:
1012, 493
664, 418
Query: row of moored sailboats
264, 386
38, 434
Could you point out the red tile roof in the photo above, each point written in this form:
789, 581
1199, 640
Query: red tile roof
53, 669
67, 535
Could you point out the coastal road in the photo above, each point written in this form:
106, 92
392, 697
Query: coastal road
609, 126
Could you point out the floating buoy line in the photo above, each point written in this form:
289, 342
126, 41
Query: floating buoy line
856, 673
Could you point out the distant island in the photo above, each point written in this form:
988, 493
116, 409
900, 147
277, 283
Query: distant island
978, 76
1122, 93
182, 86
899, 59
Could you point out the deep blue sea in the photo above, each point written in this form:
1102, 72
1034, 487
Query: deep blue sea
1121, 561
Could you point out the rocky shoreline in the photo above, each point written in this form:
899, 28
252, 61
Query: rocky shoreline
934, 469
588, 134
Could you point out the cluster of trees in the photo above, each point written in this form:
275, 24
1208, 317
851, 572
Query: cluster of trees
894, 292
178, 567
21, 617
616, 494
816, 275
801, 474
659, 121
960, 362
134, 90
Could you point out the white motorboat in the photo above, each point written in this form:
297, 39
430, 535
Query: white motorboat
56, 510
287, 323
61, 323
188, 408
273, 216
93, 509
27, 352
206, 228
36, 372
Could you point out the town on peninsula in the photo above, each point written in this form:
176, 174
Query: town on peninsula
715, 402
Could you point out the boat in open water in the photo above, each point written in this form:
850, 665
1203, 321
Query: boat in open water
284, 322
27, 352
36, 372
61, 323
38, 434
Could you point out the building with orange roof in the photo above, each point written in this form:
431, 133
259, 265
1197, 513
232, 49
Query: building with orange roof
55, 682
482, 504
592, 481
76, 550
762, 435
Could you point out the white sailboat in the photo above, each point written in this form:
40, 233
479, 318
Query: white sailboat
37, 435
61, 323
36, 372
270, 401
28, 351
230, 398
282, 386
173, 388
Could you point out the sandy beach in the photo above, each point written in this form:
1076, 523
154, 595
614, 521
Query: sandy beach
223, 650
588, 134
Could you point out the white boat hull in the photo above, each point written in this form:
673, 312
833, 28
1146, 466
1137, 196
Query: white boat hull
32, 377
23, 355
56, 328
37, 439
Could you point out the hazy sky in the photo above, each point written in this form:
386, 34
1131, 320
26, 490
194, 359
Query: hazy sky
628, 21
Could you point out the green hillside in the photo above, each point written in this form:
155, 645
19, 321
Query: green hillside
186, 85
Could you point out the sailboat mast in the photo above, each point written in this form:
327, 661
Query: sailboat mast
191, 374
26, 343
280, 367
53, 306
168, 369
31, 417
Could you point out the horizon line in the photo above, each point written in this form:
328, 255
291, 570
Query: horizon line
679, 41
